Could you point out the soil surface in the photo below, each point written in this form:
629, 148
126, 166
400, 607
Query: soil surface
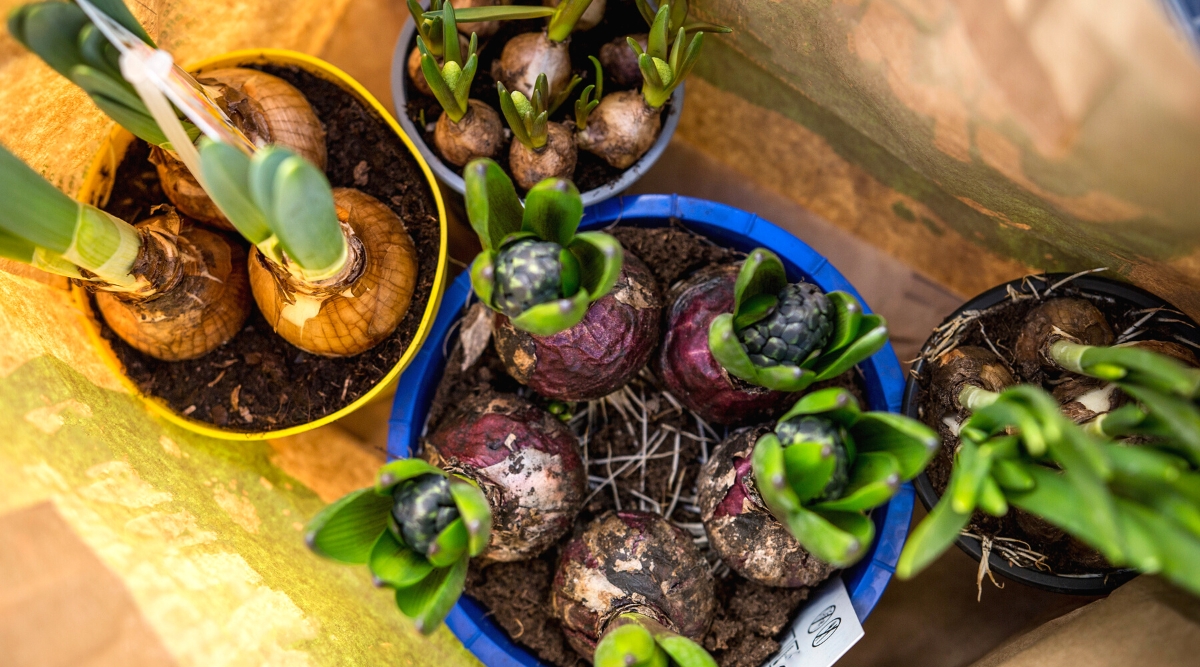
749, 616
621, 18
1001, 325
257, 381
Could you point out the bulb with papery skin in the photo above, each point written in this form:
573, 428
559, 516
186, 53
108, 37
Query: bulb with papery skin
527, 463
631, 562
686, 364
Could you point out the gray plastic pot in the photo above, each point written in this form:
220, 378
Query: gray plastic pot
446, 174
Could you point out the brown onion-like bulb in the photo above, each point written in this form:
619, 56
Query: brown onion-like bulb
268, 110
554, 160
526, 56
477, 134
356, 310
621, 129
197, 298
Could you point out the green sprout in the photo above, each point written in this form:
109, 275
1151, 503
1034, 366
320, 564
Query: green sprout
636, 640
281, 203
663, 70
678, 18
528, 118
43, 227
786, 337
1137, 505
535, 268
587, 102
565, 16
67, 40
416, 529
1128, 366
429, 22
450, 83
826, 463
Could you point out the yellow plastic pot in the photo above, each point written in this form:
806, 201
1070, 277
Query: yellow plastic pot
98, 186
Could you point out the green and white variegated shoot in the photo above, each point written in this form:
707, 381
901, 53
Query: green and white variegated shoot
827, 463
416, 530
535, 268
65, 38
677, 19
282, 204
667, 60
787, 336
1139, 506
636, 640
590, 98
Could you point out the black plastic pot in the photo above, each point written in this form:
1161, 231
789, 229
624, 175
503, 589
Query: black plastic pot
1092, 584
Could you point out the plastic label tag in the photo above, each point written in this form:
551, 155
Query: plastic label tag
826, 628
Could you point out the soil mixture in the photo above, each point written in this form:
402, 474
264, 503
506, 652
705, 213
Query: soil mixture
621, 18
257, 381
1001, 325
749, 615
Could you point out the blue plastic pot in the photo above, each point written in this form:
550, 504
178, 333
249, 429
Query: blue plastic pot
728, 226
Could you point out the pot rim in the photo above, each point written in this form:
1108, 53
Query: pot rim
455, 182
97, 186
1086, 584
883, 377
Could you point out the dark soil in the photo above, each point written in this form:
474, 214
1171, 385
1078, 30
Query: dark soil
279, 384
1002, 324
749, 615
621, 18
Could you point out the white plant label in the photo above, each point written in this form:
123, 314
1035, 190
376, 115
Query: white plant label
826, 628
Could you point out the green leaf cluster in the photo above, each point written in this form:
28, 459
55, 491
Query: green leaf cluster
358, 530
855, 336
1137, 505
430, 27
450, 83
634, 640
589, 99
67, 40
527, 117
678, 18
280, 202
666, 62
552, 210
883, 450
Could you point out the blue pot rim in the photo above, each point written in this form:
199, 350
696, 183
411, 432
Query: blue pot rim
742, 230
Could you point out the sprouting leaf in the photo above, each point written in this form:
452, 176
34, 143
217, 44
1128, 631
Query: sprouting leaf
553, 209
685, 652
659, 33
400, 470
261, 179
1055, 499
728, 350
911, 442
756, 308
495, 13
226, 173
117, 11
809, 467
770, 471
971, 465
492, 203
395, 564
346, 530
1177, 551
547, 319
838, 538
1011, 475
483, 272
428, 601
625, 645
874, 479
450, 544
1180, 417
931, 538
873, 335
476, 513
762, 272
600, 260
569, 271
847, 317
991, 498
833, 403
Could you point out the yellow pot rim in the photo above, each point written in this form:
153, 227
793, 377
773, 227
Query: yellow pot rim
96, 189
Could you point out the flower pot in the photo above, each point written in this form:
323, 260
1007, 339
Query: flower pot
725, 225
98, 186
446, 173
1075, 584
